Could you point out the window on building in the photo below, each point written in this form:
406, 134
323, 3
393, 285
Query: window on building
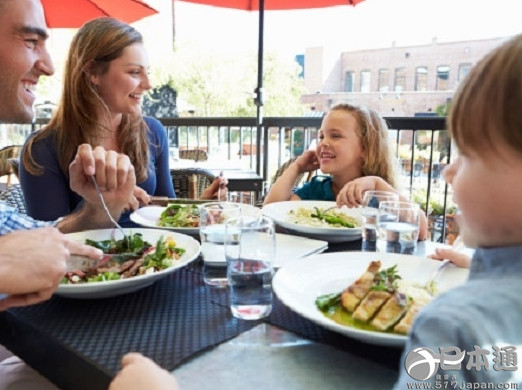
464, 70
443, 78
384, 80
349, 82
421, 78
400, 80
365, 80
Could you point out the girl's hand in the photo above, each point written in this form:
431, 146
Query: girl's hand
352, 193
308, 161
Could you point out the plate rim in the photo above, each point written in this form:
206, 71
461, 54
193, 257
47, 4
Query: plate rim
268, 210
83, 290
281, 288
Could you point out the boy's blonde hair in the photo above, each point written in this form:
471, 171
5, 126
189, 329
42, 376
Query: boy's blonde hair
486, 109
378, 159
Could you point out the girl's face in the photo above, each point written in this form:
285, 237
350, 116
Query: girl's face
123, 85
340, 151
488, 192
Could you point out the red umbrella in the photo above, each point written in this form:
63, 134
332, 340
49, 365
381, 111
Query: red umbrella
74, 13
261, 5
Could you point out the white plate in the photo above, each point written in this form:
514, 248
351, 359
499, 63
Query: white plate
149, 216
118, 287
299, 283
289, 248
278, 211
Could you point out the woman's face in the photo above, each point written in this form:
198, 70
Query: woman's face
124, 83
340, 150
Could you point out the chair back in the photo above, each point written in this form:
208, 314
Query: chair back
193, 154
191, 182
14, 197
7, 153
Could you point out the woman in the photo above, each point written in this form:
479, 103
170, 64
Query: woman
105, 78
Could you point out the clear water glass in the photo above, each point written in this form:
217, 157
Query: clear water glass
250, 251
370, 211
212, 219
398, 227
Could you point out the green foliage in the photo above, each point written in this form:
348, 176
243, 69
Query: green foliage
223, 85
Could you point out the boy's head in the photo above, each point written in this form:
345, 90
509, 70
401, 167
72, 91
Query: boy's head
487, 108
486, 124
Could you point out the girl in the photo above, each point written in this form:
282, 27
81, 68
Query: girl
353, 149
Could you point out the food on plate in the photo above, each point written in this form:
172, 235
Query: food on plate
127, 258
180, 215
319, 217
379, 300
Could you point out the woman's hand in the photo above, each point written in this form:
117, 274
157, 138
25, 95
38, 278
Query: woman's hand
217, 187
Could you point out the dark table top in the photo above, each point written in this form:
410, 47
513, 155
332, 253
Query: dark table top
78, 344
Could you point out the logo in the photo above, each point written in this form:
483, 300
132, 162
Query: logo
422, 363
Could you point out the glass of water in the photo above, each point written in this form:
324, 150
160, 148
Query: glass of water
370, 211
398, 227
250, 251
212, 219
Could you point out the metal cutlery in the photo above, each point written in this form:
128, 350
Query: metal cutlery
116, 224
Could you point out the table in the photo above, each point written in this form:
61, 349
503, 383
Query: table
178, 321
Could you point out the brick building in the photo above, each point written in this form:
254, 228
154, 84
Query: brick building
396, 81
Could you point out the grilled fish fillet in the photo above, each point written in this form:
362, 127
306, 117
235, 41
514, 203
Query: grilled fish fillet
390, 313
371, 303
351, 297
405, 323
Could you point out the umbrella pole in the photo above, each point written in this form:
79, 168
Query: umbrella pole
259, 99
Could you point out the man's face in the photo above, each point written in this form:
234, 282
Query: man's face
23, 58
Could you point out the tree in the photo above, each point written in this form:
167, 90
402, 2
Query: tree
223, 85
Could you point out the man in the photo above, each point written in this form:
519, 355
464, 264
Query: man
33, 254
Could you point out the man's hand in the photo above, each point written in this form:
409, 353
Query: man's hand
116, 179
32, 264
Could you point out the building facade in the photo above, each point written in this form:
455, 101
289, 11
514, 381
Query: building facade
396, 81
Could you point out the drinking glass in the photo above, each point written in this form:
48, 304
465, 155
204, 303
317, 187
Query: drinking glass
370, 211
398, 227
250, 252
212, 219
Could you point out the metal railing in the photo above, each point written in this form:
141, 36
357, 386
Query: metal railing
421, 144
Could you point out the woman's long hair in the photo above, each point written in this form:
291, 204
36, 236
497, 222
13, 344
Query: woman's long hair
77, 120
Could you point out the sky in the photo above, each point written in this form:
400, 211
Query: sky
371, 24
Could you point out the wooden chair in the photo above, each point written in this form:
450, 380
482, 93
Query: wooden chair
193, 154
191, 182
14, 197
7, 153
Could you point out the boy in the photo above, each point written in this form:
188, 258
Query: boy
468, 337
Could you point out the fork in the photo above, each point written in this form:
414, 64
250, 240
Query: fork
115, 223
